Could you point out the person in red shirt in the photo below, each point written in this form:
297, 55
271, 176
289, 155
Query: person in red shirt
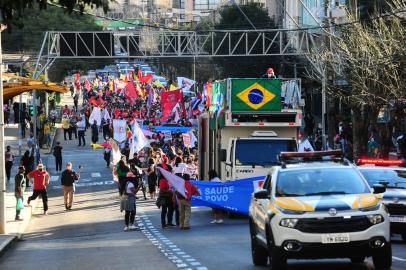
40, 178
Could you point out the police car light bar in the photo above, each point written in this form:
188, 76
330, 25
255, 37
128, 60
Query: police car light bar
315, 154
382, 162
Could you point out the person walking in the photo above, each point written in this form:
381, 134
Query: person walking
107, 156
40, 180
73, 125
66, 127
47, 134
58, 156
152, 178
81, 130
68, 178
122, 170
129, 202
76, 101
107, 130
217, 212
9, 159
28, 162
95, 132
167, 206
185, 205
19, 189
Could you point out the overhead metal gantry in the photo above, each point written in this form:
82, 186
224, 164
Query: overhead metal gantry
164, 44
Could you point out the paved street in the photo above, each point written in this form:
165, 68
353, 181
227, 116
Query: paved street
90, 236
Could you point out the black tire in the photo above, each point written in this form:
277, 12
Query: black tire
358, 259
277, 259
383, 258
404, 237
259, 253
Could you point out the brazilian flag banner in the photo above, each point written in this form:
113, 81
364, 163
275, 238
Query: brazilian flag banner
255, 95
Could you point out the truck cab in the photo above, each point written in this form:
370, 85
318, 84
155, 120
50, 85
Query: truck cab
253, 156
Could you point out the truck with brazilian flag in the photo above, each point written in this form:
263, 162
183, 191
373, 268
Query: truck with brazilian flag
245, 128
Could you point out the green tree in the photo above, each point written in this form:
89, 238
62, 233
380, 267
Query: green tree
370, 56
29, 30
15, 8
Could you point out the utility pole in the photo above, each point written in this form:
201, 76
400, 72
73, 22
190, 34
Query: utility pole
2, 160
324, 82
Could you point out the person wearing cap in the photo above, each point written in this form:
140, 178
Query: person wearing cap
40, 179
19, 188
270, 74
68, 178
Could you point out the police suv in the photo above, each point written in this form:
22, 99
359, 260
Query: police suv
317, 205
390, 174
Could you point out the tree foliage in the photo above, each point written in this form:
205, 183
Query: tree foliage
36, 22
14, 8
233, 18
370, 56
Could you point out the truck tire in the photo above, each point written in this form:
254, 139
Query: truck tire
259, 253
277, 259
383, 258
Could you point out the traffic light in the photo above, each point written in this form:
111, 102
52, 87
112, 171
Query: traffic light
31, 110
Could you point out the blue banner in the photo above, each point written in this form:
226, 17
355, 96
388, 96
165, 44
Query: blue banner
171, 129
233, 196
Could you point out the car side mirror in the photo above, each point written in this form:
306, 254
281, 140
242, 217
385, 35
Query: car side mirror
379, 188
261, 194
223, 155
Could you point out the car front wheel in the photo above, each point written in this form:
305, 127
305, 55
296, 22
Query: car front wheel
258, 252
383, 258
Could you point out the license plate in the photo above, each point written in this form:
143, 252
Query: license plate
335, 238
397, 219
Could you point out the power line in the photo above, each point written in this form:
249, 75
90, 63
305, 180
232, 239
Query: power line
118, 20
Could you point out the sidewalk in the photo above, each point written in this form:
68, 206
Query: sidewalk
15, 229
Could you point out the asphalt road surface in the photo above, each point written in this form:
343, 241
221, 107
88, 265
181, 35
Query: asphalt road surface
91, 235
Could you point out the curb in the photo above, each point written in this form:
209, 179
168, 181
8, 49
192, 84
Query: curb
13, 238
7, 244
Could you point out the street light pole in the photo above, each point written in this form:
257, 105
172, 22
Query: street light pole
2, 160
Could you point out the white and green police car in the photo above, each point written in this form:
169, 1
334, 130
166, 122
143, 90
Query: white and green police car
311, 208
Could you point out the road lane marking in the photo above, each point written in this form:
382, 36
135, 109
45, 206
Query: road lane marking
398, 259
166, 247
54, 178
95, 174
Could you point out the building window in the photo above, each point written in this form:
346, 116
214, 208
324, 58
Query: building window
205, 4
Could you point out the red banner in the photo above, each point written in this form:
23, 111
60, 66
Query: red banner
169, 99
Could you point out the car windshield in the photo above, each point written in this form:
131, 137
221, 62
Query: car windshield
394, 178
315, 182
261, 152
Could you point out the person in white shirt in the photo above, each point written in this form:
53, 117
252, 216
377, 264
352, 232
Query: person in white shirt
179, 167
217, 212
191, 169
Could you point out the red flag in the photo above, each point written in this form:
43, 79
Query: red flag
78, 77
96, 101
130, 91
144, 79
169, 100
